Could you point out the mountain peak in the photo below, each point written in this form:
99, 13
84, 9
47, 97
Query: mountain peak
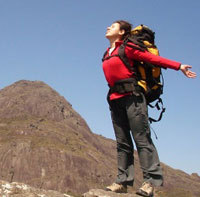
33, 98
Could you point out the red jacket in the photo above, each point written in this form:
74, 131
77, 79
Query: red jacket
115, 70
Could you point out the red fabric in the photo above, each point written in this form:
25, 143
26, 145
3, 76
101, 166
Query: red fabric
115, 70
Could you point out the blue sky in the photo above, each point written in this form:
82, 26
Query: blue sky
61, 42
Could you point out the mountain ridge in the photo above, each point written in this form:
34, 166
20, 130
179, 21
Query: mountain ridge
45, 143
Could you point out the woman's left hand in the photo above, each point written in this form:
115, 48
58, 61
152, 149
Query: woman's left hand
188, 73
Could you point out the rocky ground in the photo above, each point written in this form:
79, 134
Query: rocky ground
16, 189
22, 190
102, 193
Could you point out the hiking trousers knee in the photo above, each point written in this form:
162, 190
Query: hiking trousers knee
130, 120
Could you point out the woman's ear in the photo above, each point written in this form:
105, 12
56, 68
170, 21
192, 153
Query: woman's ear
122, 32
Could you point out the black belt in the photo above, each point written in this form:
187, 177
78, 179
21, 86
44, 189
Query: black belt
125, 86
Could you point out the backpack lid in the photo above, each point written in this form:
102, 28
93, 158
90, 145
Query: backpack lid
143, 32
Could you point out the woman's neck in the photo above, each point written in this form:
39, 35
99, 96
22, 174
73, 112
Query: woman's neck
113, 41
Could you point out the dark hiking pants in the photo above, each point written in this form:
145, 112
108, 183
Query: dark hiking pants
129, 116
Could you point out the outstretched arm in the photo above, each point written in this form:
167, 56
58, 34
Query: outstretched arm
158, 60
188, 73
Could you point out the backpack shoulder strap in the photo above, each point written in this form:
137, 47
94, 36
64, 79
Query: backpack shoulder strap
108, 57
135, 43
123, 56
104, 55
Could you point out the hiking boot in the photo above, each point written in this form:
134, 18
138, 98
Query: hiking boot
146, 190
118, 188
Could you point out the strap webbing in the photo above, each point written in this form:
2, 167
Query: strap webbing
158, 108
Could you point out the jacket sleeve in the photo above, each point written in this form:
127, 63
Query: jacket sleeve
146, 56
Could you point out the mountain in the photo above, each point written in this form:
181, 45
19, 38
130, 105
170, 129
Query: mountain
45, 143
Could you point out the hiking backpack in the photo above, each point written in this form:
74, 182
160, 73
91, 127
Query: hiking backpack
148, 76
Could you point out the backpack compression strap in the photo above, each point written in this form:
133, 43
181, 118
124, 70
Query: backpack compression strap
158, 108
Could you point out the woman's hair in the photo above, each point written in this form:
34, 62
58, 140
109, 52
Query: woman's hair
126, 26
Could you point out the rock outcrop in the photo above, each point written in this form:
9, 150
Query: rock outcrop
102, 193
22, 190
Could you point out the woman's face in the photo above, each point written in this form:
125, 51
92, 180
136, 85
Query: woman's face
114, 31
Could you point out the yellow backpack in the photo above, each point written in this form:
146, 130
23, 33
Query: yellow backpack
148, 76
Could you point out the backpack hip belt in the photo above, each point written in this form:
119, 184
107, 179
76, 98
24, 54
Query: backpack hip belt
126, 86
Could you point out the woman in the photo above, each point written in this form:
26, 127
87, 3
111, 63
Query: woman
129, 113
